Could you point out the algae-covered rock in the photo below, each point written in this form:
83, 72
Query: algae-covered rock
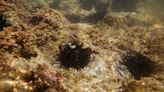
43, 50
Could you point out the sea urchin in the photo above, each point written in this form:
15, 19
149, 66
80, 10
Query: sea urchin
3, 22
138, 65
73, 55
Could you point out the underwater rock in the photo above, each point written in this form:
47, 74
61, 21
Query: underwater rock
83, 10
48, 16
119, 20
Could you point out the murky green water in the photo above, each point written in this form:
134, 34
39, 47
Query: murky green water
94, 10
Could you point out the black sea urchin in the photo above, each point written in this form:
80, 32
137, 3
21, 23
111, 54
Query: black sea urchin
74, 55
138, 65
3, 22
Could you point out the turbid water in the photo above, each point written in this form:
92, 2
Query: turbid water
81, 46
